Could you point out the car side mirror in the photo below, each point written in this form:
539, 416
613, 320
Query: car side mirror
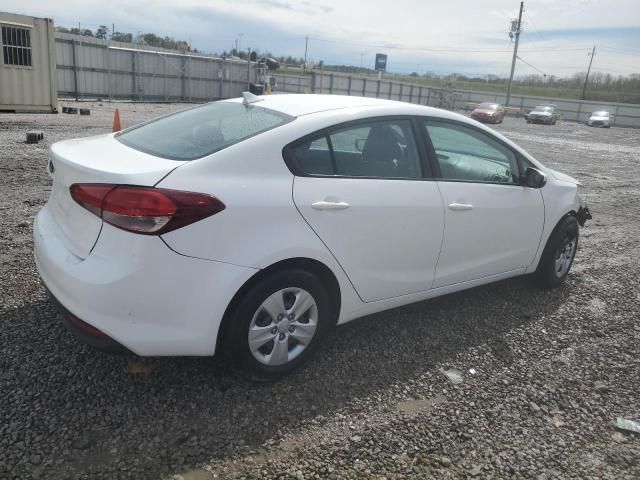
534, 178
360, 142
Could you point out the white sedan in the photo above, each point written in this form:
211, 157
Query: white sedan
252, 227
601, 118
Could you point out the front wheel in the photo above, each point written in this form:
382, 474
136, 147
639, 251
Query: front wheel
278, 324
557, 257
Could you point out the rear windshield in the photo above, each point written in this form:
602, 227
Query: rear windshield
543, 109
200, 131
488, 106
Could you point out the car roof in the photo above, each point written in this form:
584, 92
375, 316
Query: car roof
304, 104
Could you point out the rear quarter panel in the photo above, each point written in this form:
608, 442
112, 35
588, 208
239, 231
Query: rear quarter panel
260, 225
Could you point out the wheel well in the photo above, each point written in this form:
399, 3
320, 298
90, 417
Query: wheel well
319, 269
571, 213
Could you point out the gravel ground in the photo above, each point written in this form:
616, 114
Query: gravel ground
552, 369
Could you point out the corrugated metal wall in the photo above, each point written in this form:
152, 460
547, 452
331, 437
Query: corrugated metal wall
625, 115
93, 68
31, 88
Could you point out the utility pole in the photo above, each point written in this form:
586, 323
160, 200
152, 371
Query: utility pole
306, 48
586, 79
248, 69
515, 52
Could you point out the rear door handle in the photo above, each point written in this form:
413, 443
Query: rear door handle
324, 205
460, 206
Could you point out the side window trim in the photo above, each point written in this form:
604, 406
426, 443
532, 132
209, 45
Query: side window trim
332, 155
436, 166
426, 167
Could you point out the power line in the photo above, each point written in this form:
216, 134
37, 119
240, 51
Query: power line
535, 68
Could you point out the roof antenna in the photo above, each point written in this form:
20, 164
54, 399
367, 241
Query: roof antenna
248, 98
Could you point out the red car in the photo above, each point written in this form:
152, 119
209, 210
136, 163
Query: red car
488, 112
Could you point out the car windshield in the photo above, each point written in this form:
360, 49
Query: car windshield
201, 131
543, 109
488, 106
600, 113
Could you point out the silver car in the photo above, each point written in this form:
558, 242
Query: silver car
543, 114
601, 118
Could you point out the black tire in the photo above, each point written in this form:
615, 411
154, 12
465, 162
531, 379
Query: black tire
547, 274
235, 340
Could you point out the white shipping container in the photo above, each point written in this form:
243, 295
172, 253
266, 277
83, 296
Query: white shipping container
28, 80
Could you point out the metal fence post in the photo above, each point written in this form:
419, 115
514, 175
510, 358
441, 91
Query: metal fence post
401, 91
428, 96
183, 79
331, 83
109, 73
75, 70
164, 82
615, 115
579, 112
364, 87
419, 95
378, 90
313, 82
390, 90
349, 87
133, 75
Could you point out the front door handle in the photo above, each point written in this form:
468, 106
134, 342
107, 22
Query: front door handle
458, 207
324, 205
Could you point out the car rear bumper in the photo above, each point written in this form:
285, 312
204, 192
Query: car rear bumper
539, 119
138, 292
485, 118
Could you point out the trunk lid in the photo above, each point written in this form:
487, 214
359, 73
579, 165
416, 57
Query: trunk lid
100, 159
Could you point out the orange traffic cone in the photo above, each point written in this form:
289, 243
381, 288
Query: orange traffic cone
116, 121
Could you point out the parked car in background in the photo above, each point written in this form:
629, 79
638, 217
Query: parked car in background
547, 114
600, 118
253, 227
488, 112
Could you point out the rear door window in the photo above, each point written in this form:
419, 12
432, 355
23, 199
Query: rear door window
201, 131
377, 149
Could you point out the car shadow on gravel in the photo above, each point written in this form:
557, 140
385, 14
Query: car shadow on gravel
78, 411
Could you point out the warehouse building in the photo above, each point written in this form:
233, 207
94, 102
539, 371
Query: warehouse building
28, 81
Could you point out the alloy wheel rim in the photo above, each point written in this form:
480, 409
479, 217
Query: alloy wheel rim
564, 257
283, 326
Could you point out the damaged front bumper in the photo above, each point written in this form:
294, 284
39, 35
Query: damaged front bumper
583, 215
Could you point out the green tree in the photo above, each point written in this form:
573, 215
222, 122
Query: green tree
102, 32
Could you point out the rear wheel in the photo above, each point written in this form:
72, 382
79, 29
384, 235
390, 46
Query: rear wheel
557, 257
279, 323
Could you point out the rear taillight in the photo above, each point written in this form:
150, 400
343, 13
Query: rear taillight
145, 210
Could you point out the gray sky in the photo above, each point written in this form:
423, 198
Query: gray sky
463, 36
